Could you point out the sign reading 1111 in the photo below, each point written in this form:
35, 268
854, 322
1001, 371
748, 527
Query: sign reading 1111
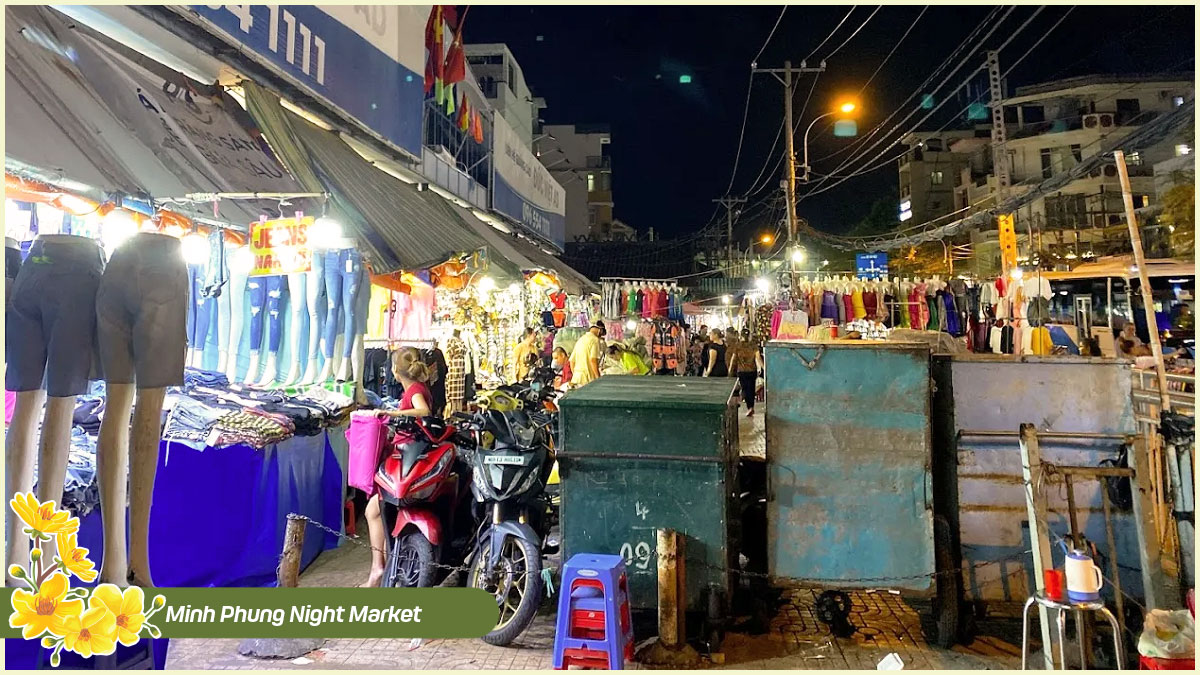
871, 265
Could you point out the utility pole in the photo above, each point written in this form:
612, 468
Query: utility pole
729, 203
786, 80
1007, 226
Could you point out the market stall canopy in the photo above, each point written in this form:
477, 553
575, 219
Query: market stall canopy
528, 255
398, 226
82, 112
1122, 267
573, 281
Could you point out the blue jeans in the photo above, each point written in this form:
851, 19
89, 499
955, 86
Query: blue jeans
343, 273
202, 310
256, 288
275, 287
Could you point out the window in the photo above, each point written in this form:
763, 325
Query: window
512, 78
935, 177
934, 145
591, 216
1127, 110
487, 85
1077, 152
1047, 165
1032, 114
591, 182
1141, 201
1134, 158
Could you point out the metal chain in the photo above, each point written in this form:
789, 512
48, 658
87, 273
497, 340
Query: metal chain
357, 541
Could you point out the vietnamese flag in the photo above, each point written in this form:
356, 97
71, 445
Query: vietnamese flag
455, 69
435, 49
465, 115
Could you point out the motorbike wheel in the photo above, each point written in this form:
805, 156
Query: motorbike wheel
410, 564
515, 579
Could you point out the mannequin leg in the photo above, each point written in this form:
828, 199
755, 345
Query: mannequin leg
237, 304
206, 311
18, 464
112, 463
275, 286
314, 296
333, 310
223, 321
297, 290
143, 466
355, 352
257, 289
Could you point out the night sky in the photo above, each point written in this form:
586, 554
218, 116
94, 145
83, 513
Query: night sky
674, 144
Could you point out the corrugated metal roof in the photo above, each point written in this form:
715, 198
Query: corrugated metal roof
398, 226
527, 255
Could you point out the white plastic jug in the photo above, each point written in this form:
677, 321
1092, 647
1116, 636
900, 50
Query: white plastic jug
1084, 579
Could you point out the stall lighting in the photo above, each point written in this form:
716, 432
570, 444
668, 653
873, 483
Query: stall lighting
798, 255
1071, 256
195, 249
1178, 281
725, 299
631, 325
75, 205
117, 226
325, 233
1017, 273
242, 260
763, 285
487, 284
824, 263
288, 105
514, 287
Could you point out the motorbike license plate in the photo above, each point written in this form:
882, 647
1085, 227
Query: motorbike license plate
513, 460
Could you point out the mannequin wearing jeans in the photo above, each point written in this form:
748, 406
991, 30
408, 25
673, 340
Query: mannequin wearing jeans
297, 290
274, 317
49, 340
141, 314
256, 289
315, 297
240, 263
343, 267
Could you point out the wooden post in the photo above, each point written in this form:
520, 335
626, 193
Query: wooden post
672, 596
1039, 539
1139, 259
293, 547
1154, 579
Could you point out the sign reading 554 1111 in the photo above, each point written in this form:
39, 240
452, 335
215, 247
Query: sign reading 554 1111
300, 46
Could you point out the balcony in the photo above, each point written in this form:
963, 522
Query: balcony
599, 162
600, 197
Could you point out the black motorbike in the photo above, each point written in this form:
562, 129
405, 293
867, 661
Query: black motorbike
511, 463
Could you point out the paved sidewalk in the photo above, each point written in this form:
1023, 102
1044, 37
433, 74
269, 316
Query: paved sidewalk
795, 639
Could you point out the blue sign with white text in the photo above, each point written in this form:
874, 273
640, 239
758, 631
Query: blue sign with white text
547, 224
367, 60
871, 265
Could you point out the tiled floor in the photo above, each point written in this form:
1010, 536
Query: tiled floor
796, 639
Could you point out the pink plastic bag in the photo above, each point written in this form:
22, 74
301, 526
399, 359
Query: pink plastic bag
366, 436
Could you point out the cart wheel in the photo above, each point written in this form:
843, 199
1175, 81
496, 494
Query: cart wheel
948, 600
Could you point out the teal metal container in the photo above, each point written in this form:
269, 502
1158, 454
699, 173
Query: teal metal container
848, 452
644, 453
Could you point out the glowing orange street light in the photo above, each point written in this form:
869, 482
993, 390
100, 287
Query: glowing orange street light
847, 107
766, 239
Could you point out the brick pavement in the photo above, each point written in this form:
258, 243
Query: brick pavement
795, 638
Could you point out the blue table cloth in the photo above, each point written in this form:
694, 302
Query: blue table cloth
219, 518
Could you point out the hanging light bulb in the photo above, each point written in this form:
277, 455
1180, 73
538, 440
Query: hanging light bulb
631, 325
763, 285
195, 249
1017, 273
117, 227
242, 260
514, 287
725, 299
798, 255
487, 284
325, 232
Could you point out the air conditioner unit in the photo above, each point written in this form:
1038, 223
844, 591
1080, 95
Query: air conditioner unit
1091, 121
1106, 119
1110, 171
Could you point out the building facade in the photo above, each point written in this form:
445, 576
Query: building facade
1051, 127
502, 82
577, 155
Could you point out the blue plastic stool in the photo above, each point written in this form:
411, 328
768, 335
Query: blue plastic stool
595, 588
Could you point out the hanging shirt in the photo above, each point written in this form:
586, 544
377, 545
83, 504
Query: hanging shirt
856, 309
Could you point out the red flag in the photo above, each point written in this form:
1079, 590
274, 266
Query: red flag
465, 115
435, 50
455, 69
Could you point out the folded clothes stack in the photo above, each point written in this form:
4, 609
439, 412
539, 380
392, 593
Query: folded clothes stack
208, 413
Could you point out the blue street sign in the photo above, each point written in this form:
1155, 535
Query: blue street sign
871, 265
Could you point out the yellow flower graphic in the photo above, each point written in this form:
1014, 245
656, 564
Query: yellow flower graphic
127, 610
42, 517
74, 557
93, 632
44, 611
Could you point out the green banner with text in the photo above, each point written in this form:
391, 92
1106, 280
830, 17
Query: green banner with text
318, 612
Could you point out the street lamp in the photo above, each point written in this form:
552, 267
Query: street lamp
844, 109
798, 255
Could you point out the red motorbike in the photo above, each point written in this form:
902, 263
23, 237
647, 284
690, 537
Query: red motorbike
423, 488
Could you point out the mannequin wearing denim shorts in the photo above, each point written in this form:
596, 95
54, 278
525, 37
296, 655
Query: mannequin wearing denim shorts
50, 336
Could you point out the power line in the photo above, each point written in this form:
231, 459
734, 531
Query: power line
746, 108
894, 48
856, 30
831, 34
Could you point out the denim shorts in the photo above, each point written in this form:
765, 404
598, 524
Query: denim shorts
141, 309
50, 328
